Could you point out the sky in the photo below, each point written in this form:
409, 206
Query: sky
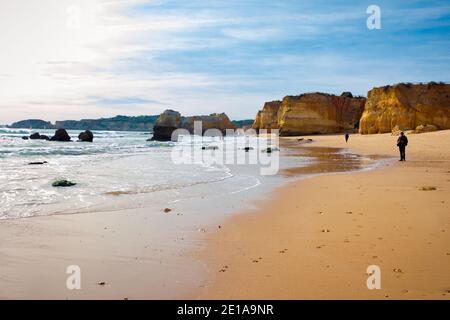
74, 59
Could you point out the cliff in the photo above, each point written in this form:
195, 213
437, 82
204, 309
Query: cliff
406, 107
267, 118
311, 113
171, 120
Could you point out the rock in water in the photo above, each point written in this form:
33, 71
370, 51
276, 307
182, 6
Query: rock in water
86, 136
171, 120
63, 183
61, 135
407, 107
167, 123
35, 136
37, 163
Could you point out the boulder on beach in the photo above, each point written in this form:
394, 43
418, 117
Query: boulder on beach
426, 128
86, 136
61, 135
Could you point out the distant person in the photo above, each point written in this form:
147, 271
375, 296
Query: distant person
346, 136
402, 142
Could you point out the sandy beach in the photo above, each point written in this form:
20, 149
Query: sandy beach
315, 238
309, 239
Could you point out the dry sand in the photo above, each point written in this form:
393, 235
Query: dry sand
314, 239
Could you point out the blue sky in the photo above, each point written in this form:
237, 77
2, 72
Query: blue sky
141, 57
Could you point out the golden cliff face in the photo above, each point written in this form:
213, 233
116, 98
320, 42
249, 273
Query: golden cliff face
267, 118
406, 107
311, 113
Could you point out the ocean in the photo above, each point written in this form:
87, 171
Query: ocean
122, 170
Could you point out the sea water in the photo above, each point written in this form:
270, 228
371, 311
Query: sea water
119, 170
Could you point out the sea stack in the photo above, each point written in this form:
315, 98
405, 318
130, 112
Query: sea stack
311, 113
60, 135
171, 120
86, 136
401, 107
167, 123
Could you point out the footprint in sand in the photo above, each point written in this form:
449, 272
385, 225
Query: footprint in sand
223, 269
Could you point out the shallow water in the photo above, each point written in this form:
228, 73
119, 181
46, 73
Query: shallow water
119, 170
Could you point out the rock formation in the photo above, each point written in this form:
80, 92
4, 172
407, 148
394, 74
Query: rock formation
60, 135
311, 113
86, 136
37, 136
171, 120
167, 123
426, 128
267, 118
407, 107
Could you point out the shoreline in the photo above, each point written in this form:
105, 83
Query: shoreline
315, 238
123, 248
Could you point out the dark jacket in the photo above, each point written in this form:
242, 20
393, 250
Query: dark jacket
402, 141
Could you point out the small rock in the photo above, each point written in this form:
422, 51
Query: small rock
63, 183
37, 163
101, 283
428, 188
270, 150
167, 210
35, 136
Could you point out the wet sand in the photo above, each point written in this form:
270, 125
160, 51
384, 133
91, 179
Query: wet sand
315, 238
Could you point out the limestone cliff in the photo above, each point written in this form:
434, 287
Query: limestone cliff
171, 120
267, 118
406, 107
311, 113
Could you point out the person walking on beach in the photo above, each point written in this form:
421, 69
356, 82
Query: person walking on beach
402, 142
346, 136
